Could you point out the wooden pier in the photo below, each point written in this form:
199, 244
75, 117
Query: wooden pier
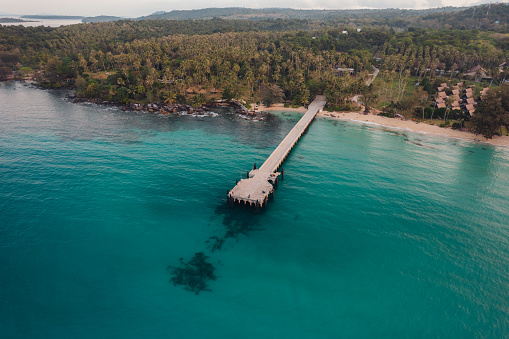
256, 190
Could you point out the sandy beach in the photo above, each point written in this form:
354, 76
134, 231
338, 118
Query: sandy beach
397, 123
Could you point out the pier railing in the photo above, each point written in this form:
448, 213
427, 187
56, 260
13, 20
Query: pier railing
258, 187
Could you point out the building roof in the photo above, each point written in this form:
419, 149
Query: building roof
470, 108
456, 91
439, 100
471, 101
442, 94
477, 70
441, 105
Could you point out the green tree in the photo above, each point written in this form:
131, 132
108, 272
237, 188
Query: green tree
368, 95
271, 94
492, 113
228, 93
423, 98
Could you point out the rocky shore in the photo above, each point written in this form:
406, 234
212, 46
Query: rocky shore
177, 108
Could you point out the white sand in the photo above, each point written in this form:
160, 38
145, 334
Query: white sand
398, 124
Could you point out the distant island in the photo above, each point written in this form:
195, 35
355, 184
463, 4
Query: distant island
51, 17
102, 18
13, 20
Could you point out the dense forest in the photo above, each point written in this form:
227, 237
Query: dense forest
197, 61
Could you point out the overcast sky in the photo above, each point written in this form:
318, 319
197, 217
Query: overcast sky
136, 8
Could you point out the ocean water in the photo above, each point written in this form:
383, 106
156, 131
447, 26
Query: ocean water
373, 233
40, 22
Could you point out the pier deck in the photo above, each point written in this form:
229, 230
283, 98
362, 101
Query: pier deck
255, 190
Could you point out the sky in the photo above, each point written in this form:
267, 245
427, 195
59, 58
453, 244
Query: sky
136, 8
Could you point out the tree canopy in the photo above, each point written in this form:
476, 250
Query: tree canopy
492, 113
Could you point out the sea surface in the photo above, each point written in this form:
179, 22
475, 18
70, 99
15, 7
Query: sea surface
373, 233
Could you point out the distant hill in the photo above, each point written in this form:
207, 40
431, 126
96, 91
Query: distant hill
487, 16
484, 17
102, 18
289, 13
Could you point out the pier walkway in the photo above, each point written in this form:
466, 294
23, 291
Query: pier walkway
259, 186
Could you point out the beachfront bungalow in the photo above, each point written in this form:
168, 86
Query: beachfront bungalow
470, 101
468, 93
470, 109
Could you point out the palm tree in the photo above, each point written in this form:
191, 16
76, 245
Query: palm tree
448, 102
423, 98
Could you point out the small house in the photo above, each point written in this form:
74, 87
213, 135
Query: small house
470, 101
470, 108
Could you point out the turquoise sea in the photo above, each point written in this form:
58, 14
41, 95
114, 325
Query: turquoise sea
373, 233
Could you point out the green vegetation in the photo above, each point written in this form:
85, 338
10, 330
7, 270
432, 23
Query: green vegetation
309, 53
492, 114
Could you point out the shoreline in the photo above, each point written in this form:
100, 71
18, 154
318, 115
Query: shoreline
393, 123
396, 123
